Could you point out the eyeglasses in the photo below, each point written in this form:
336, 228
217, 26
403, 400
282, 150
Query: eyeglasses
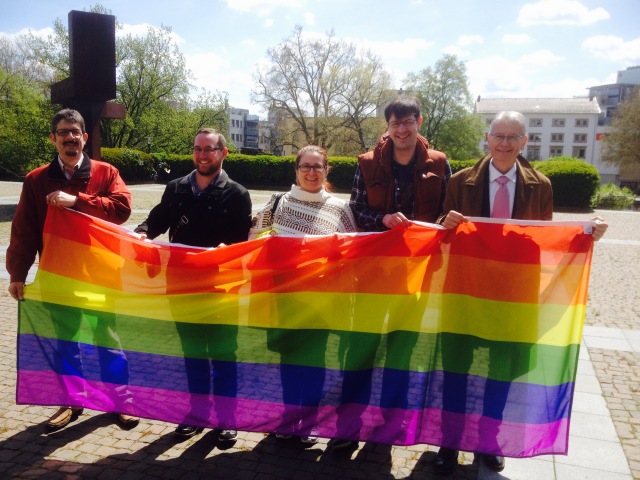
207, 150
407, 122
308, 168
63, 132
509, 138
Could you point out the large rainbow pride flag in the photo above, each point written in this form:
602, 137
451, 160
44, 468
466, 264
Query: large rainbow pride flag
465, 338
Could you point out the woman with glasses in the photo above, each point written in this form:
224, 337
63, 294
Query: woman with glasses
307, 209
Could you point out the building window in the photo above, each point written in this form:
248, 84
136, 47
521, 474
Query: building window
579, 152
233, 137
582, 122
557, 137
535, 137
555, 151
580, 138
533, 153
557, 122
488, 121
535, 122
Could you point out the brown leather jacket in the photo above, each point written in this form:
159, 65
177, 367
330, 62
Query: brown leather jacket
467, 192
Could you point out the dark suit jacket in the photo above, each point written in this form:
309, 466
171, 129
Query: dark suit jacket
468, 189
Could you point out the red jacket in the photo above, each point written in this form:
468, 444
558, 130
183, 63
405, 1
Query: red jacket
101, 193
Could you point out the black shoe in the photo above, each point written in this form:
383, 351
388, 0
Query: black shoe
186, 431
494, 462
338, 443
446, 461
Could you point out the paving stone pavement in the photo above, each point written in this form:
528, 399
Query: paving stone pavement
605, 430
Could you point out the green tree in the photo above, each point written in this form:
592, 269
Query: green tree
24, 114
324, 85
447, 107
622, 141
152, 78
460, 137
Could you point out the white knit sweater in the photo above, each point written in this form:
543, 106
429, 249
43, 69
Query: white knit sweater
304, 213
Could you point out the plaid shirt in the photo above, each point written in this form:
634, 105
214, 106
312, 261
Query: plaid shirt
369, 219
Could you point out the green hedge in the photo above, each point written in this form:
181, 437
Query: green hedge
132, 164
611, 197
266, 171
263, 171
574, 181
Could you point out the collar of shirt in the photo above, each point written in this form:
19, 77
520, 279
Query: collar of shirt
64, 169
495, 173
194, 185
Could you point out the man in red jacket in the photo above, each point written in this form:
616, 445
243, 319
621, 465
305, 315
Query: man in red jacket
71, 180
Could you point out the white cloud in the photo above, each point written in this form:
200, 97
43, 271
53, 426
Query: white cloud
41, 33
614, 49
405, 49
268, 23
497, 76
464, 40
516, 39
214, 72
456, 50
541, 58
262, 7
469, 39
309, 18
560, 12
248, 43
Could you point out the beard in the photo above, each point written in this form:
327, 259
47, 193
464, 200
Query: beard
208, 170
71, 148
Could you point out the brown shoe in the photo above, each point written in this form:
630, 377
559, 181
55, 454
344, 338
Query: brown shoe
63, 417
128, 421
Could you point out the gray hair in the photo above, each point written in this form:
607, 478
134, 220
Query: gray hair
509, 117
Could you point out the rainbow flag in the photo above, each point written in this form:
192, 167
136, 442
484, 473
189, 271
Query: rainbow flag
465, 338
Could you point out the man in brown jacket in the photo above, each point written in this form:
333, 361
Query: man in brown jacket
473, 192
402, 179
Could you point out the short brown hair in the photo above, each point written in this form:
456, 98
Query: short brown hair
68, 115
222, 142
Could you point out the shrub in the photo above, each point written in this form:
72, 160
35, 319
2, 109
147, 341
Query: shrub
261, 170
457, 165
133, 165
268, 171
175, 166
574, 181
611, 197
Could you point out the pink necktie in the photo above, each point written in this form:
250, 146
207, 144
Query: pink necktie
501, 200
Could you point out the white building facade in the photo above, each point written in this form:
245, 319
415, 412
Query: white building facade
243, 128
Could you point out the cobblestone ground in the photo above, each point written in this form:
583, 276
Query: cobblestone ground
95, 447
619, 376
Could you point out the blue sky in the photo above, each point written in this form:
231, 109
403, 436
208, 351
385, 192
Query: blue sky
534, 48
